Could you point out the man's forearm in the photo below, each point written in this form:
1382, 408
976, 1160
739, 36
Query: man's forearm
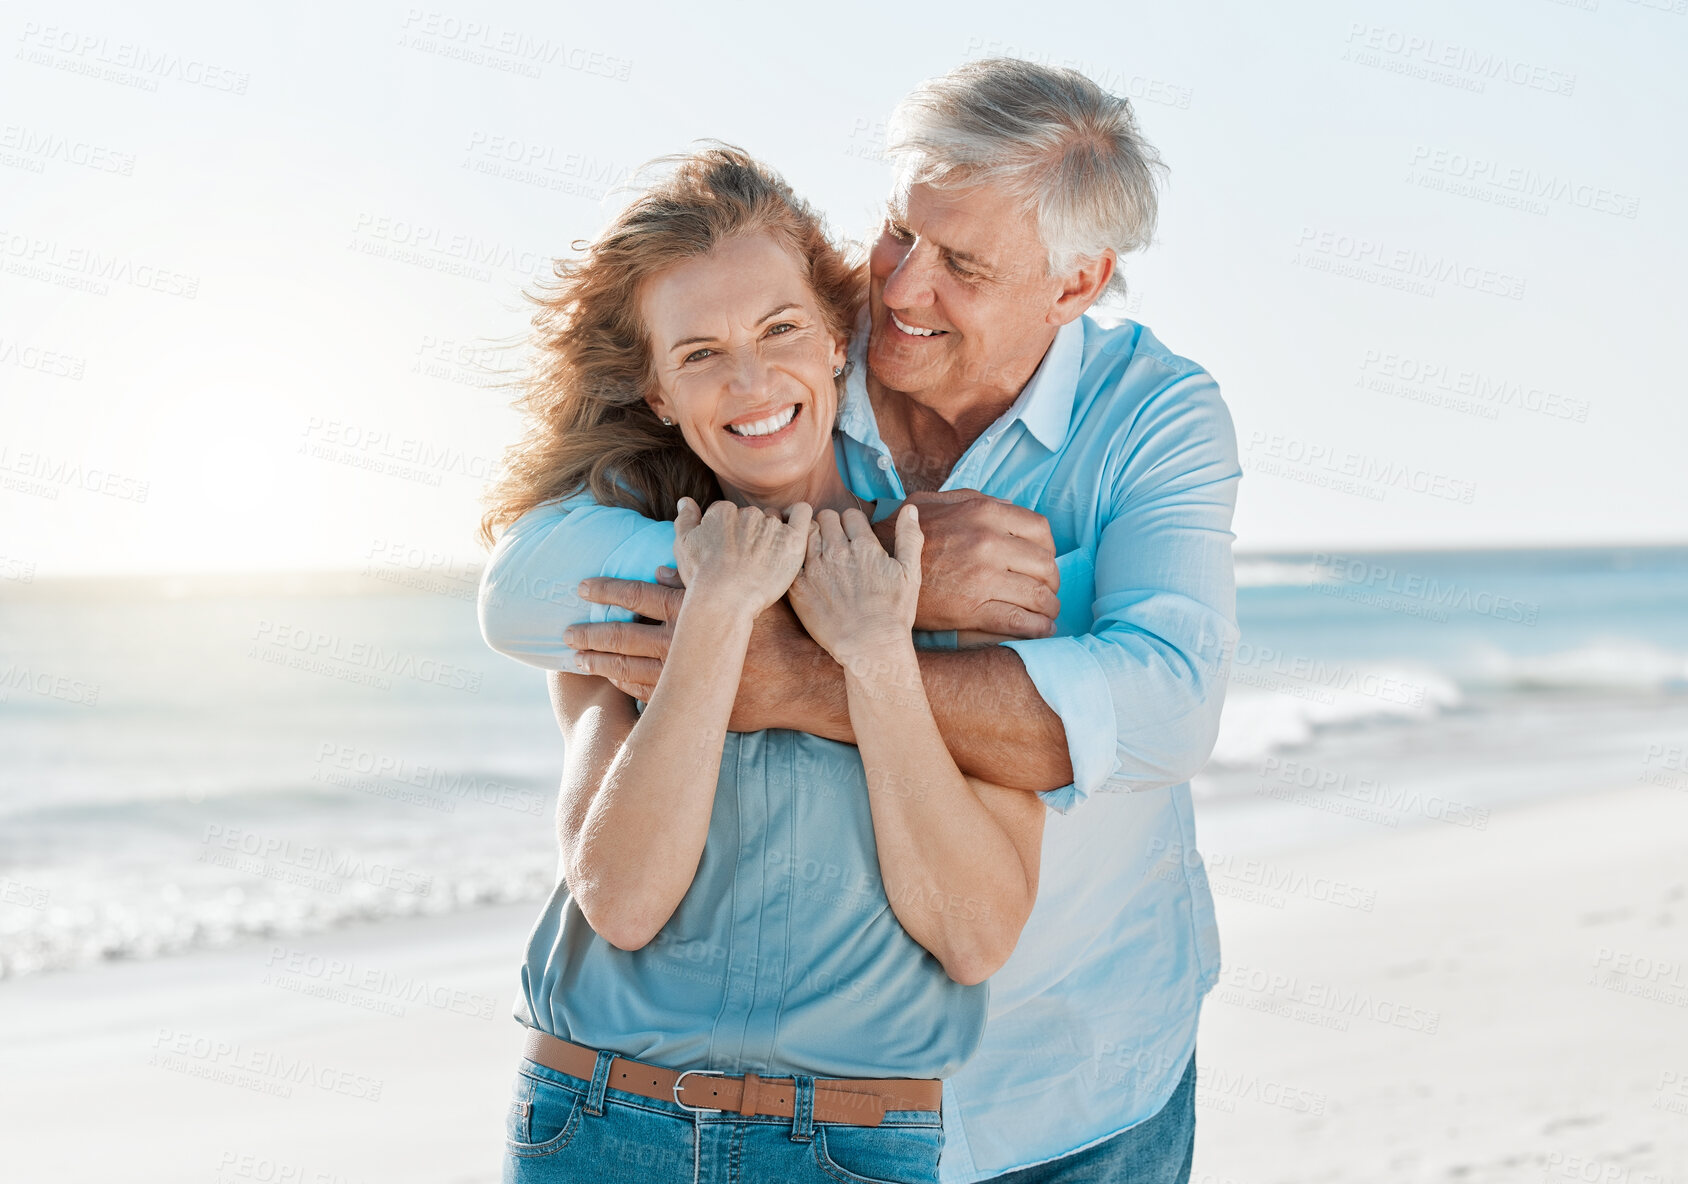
993, 721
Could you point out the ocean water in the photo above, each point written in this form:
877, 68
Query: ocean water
1386, 691
185, 766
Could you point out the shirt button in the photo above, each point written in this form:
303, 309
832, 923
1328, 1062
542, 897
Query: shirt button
884, 462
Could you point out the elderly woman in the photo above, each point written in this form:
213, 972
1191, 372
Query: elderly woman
765, 950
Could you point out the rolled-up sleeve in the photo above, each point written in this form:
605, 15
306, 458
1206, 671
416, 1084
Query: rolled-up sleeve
530, 589
1140, 694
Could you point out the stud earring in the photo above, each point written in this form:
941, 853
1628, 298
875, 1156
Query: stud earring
668, 421
837, 371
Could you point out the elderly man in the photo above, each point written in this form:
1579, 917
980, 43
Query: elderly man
1076, 485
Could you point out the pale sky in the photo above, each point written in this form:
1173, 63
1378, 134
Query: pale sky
1430, 251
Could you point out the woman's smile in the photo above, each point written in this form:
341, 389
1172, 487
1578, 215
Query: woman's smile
764, 431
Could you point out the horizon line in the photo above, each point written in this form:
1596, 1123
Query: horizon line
452, 570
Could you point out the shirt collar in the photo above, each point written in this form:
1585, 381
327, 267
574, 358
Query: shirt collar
855, 409
1045, 403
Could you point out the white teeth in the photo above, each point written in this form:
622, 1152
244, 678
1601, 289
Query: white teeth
763, 427
911, 330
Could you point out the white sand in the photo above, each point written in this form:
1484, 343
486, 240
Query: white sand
83, 1100
1523, 942
1318, 1055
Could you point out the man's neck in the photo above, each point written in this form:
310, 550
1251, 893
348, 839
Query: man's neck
924, 443
928, 435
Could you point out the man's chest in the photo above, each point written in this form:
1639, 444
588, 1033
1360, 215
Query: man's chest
1022, 472
919, 476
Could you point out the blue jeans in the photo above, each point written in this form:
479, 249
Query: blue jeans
1156, 1151
564, 1128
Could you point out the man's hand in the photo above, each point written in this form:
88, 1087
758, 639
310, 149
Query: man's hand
988, 565
630, 654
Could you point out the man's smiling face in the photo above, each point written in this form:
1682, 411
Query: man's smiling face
960, 295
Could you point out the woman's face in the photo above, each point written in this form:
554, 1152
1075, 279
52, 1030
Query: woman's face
744, 362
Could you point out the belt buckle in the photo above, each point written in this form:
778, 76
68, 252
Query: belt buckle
700, 1073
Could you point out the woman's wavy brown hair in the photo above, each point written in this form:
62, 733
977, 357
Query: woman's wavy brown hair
583, 399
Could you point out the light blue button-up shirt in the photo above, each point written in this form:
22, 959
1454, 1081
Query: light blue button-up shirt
1129, 452
784, 955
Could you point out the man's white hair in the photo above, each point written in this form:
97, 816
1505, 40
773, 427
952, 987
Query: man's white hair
1050, 137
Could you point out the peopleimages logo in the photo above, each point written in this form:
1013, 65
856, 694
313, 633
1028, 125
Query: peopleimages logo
362, 769
1320, 1003
248, 850
322, 652
41, 361
515, 158
123, 61
1350, 575
264, 1070
383, 451
1312, 785
1436, 59
44, 475
1260, 880
508, 50
1413, 377
1282, 455
1408, 263
41, 147
436, 248
349, 981
87, 268
20, 677
1527, 184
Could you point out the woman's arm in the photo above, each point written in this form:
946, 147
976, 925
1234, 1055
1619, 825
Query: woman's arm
959, 856
638, 789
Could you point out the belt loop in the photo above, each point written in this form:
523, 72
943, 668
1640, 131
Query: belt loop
747, 1102
600, 1082
803, 1110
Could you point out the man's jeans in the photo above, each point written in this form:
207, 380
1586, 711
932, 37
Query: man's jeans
561, 1128
1153, 1152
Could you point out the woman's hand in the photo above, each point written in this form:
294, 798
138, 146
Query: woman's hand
739, 555
851, 596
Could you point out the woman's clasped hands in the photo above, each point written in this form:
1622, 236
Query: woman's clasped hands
850, 595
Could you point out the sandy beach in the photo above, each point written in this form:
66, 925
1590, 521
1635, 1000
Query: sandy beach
375, 1053
1507, 1003
1512, 1006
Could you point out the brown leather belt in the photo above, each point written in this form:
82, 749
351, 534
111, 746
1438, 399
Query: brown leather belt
858, 1101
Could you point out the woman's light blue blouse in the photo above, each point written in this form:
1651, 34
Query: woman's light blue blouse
784, 956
